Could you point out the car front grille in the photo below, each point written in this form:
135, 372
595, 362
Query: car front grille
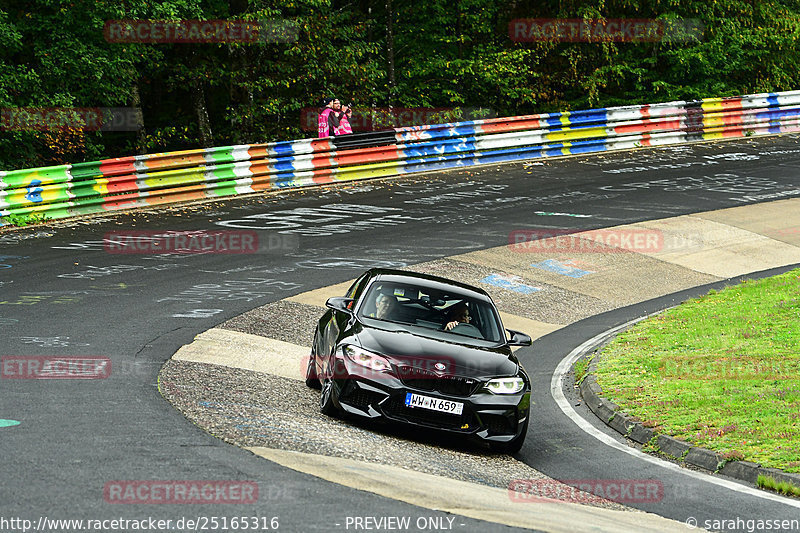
362, 398
425, 380
498, 424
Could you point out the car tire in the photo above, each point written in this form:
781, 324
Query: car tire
326, 405
312, 379
514, 445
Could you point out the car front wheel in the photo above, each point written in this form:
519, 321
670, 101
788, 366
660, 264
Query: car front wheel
312, 380
326, 405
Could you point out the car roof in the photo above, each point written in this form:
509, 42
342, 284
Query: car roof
429, 281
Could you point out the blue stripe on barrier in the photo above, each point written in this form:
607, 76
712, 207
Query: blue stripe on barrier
588, 119
504, 156
284, 165
284, 147
425, 165
772, 100
433, 149
450, 157
553, 119
465, 129
583, 147
774, 114
283, 180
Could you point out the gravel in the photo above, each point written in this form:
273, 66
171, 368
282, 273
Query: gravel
248, 408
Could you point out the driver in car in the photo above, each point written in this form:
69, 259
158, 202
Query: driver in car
385, 306
458, 314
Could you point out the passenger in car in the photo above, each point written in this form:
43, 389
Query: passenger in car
457, 314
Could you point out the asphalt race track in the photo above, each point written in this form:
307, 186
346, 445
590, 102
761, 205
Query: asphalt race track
62, 293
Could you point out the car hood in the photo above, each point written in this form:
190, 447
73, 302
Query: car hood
402, 347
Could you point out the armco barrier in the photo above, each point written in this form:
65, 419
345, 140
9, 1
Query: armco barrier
152, 179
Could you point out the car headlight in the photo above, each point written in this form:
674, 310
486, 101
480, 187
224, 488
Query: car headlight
505, 385
366, 359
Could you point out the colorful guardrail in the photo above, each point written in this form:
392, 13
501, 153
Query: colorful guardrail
153, 179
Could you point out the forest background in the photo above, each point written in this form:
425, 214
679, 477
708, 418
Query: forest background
379, 54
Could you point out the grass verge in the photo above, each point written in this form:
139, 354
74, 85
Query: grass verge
782, 487
580, 367
721, 371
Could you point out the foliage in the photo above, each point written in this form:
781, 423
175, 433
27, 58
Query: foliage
445, 54
24, 220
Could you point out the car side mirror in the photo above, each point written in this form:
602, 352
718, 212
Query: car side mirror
518, 338
344, 305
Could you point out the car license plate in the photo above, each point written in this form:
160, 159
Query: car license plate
434, 404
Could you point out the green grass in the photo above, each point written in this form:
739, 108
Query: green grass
580, 367
721, 371
783, 487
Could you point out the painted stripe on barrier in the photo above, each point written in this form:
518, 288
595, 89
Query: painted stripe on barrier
229, 170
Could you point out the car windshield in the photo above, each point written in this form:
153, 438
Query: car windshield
451, 312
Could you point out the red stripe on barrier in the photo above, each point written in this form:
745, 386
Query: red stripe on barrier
180, 194
731, 103
258, 152
322, 177
366, 155
260, 167
323, 161
649, 126
116, 166
322, 145
509, 126
187, 158
122, 184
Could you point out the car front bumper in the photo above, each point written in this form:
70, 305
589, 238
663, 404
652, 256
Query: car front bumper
486, 417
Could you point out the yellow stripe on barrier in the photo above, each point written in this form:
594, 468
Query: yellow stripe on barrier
100, 186
712, 105
576, 134
171, 178
377, 170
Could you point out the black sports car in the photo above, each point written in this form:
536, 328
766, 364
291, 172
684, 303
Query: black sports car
422, 350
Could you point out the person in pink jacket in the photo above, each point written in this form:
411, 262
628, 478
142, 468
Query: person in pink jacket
334, 119
324, 128
344, 120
